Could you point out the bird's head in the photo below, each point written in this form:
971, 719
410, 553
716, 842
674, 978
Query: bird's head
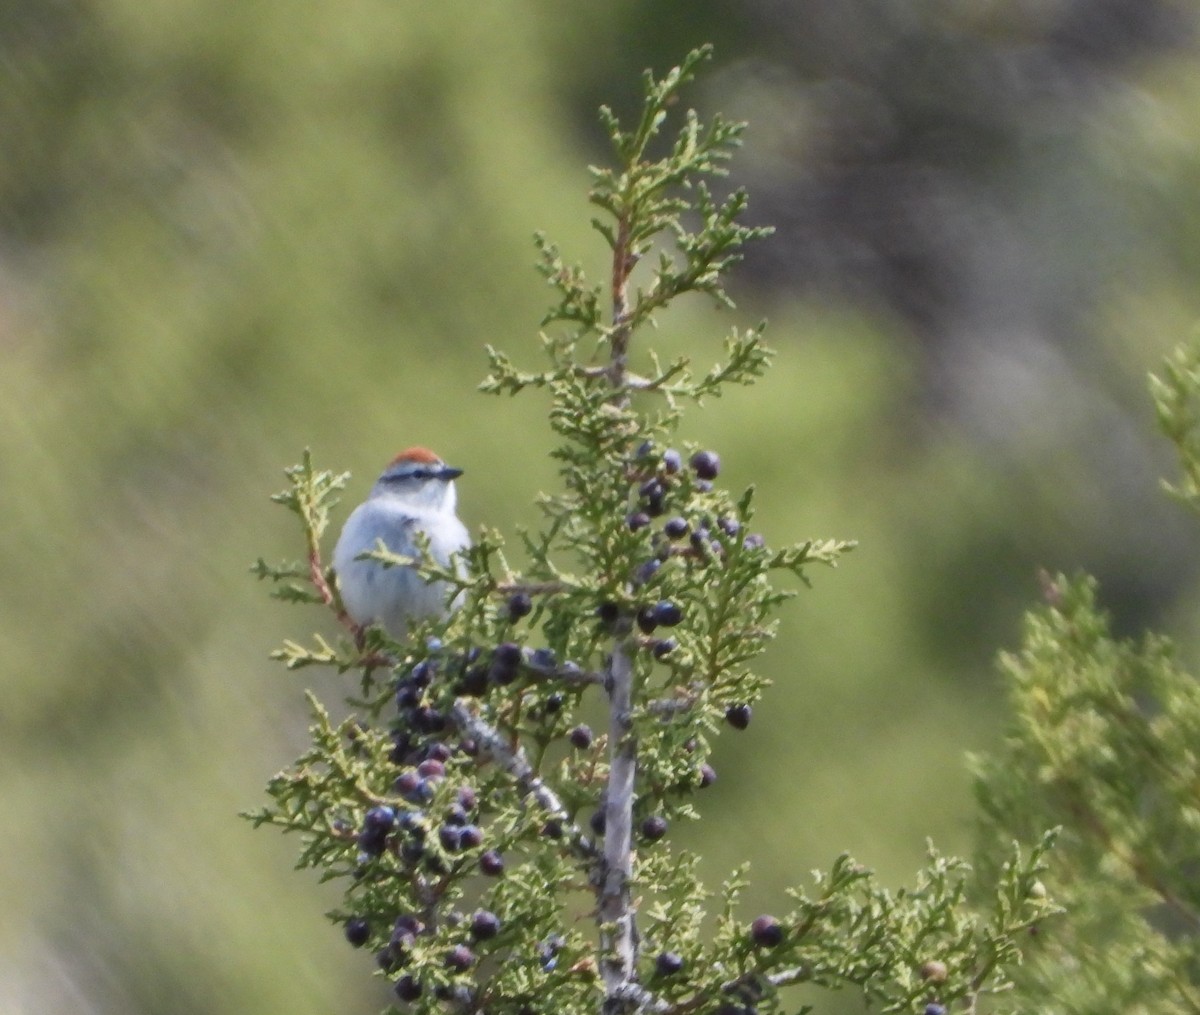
421, 477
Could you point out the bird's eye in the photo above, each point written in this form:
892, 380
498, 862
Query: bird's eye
421, 473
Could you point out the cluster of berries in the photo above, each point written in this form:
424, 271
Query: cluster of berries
409, 834
397, 952
652, 494
406, 832
663, 613
698, 538
656, 485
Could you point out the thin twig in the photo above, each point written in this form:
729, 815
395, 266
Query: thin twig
622, 265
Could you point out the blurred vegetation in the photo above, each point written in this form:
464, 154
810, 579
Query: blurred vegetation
229, 232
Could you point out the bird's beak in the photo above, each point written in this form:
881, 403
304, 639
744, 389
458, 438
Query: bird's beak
449, 472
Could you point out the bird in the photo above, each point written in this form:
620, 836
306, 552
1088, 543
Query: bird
414, 494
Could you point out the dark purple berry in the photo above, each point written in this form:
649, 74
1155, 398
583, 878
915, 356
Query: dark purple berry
357, 931
766, 932
472, 836
647, 619
408, 695
507, 653
484, 925
411, 851
456, 815
431, 768
608, 612
668, 964
654, 828
460, 958
581, 737
467, 799
652, 488
379, 819
935, 1009
439, 751
708, 775
406, 784
519, 605
450, 836
492, 863
598, 821
702, 486
667, 613
422, 673
406, 925
738, 716
637, 520
706, 464
506, 661
754, 541
664, 647
407, 989
554, 704
653, 495
644, 449
553, 829
729, 526
672, 461
676, 528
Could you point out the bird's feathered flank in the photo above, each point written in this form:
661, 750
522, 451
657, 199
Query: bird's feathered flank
422, 456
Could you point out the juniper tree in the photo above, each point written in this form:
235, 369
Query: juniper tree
1103, 742
466, 805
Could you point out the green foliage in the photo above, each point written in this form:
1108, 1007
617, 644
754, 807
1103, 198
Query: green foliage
1103, 742
472, 819
1177, 402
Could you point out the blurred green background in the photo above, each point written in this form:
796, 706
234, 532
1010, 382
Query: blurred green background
230, 231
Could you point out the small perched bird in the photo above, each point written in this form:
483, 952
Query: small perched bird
415, 493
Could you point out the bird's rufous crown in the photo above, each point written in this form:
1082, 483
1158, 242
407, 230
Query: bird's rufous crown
422, 456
